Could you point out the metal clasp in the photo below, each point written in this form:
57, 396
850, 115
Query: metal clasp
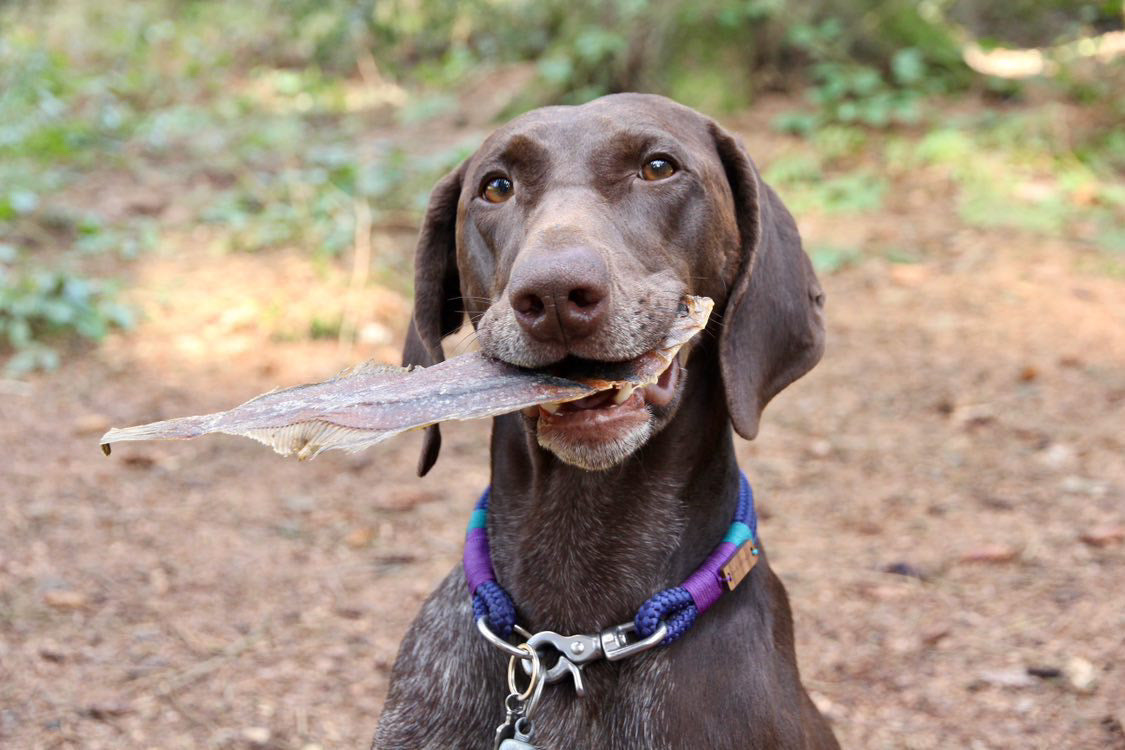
575, 651
615, 641
500, 643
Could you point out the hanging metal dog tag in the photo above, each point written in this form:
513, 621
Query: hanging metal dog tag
504, 733
514, 707
740, 565
522, 738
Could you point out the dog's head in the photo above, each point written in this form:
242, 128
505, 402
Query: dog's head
573, 233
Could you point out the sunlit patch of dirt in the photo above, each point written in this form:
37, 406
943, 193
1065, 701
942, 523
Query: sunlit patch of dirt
930, 493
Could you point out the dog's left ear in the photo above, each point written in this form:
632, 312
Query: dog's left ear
773, 325
437, 292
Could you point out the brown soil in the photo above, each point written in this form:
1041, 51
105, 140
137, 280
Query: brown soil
966, 425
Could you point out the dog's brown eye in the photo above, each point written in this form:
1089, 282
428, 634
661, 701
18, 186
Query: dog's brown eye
497, 190
658, 169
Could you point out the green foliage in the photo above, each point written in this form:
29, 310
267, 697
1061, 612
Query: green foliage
827, 259
714, 54
1020, 172
266, 111
877, 80
312, 205
245, 100
806, 188
40, 305
1034, 23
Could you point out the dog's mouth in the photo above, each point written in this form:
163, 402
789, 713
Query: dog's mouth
658, 389
601, 429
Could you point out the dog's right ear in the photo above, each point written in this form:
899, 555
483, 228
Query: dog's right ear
773, 330
438, 310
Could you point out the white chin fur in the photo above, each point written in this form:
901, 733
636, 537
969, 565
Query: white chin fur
594, 456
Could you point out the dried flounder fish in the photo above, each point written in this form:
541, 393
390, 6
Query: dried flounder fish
370, 403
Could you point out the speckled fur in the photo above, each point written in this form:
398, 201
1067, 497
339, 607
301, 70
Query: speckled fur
578, 550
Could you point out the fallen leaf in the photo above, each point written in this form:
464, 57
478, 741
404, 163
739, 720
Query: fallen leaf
65, 599
392, 559
158, 579
140, 461
401, 500
903, 569
1081, 675
91, 424
1076, 485
935, 635
256, 736
1016, 677
820, 448
1104, 536
991, 553
103, 711
1058, 456
970, 416
360, 537
51, 652
910, 275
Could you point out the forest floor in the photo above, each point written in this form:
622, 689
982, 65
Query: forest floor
943, 496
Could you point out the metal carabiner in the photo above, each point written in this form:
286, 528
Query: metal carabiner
575, 651
500, 643
615, 641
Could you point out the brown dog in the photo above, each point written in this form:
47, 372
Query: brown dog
572, 234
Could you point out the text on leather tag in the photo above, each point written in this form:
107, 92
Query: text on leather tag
740, 565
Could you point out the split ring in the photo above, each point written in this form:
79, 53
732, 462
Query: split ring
536, 671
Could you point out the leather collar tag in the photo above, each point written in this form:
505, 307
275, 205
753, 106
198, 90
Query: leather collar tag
740, 565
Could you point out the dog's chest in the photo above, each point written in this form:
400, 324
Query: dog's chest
628, 715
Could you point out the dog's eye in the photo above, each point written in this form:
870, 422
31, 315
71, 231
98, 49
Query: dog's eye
497, 190
658, 169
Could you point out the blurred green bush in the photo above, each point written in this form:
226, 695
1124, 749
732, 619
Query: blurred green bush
253, 103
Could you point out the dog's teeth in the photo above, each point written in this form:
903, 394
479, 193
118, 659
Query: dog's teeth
623, 393
551, 408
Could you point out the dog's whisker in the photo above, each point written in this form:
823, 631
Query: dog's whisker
592, 497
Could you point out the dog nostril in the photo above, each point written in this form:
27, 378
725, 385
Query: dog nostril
528, 304
584, 297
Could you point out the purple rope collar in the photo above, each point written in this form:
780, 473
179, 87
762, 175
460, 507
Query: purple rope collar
676, 607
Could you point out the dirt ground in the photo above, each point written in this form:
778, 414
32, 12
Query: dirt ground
965, 428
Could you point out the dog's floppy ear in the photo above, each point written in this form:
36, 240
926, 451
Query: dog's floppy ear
773, 326
437, 292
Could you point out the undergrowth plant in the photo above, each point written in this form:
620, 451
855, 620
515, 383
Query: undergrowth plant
39, 306
262, 115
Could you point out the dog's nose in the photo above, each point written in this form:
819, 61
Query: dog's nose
562, 296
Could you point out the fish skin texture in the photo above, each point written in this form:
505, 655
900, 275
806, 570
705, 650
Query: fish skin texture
369, 403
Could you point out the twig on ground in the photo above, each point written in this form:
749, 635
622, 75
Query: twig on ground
14, 388
361, 269
199, 670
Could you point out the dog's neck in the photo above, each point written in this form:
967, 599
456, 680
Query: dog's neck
579, 550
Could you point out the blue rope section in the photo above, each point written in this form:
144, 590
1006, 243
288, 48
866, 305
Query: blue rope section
674, 607
492, 601
745, 512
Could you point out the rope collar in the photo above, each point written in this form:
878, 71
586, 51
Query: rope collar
668, 614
